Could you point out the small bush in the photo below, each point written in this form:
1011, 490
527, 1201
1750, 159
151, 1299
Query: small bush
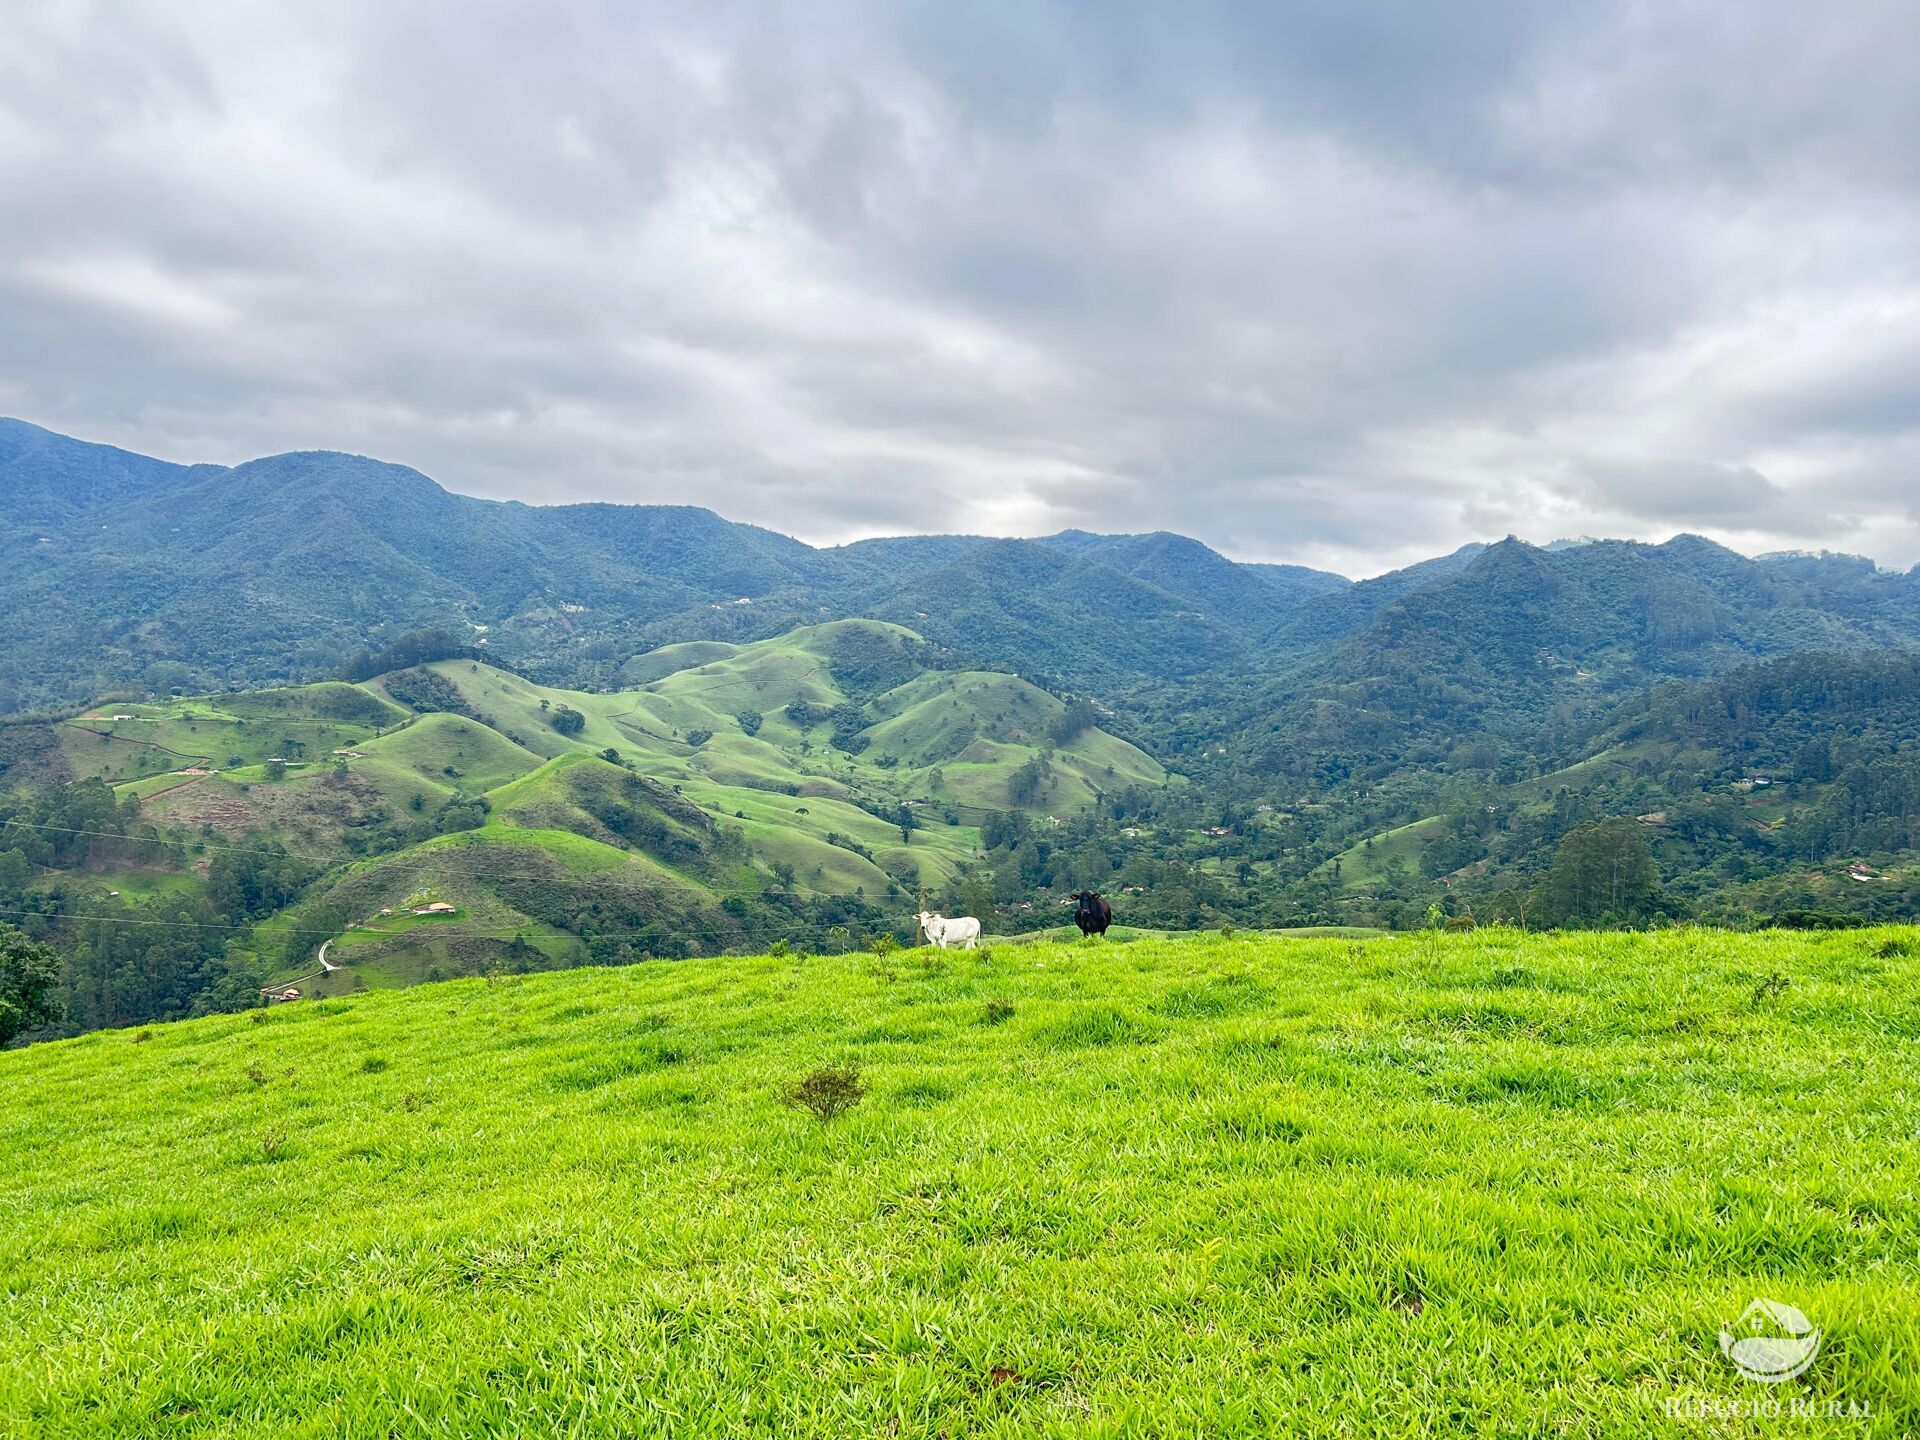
1774, 984
779, 950
372, 1065
883, 944
998, 1012
272, 1142
257, 1073
411, 1102
828, 1092
1897, 946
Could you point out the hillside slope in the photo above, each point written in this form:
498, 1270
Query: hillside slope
1197, 1186
456, 818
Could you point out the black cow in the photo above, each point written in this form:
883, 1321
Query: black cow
1094, 914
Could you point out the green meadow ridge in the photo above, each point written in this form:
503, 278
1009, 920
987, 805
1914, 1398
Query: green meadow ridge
1434, 1185
734, 795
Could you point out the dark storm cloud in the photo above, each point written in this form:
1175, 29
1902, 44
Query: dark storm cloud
1339, 283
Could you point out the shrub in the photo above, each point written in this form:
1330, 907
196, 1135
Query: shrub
272, 1142
883, 944
828, 1092
998, 1012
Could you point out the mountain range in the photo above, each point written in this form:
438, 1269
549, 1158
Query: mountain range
316, 721
120, 570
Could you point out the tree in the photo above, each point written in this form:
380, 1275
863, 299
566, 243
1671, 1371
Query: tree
417, 647
904, 818
1076, 719
1024, 784
462, 812
1602, 874
29, 978
568, 721
750, 721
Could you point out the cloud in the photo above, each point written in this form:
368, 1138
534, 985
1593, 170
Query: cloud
1345, 285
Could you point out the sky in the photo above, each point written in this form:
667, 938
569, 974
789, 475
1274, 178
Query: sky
1333, 282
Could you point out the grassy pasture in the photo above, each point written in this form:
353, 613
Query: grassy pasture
943, 743
1484, 1184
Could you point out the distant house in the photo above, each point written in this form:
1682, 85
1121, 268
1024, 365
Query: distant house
1860, 870
1652, 817
280, 994
436, 907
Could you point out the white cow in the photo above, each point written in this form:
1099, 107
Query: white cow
961, 930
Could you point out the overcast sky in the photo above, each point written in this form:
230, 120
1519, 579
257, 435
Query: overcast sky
1333, 282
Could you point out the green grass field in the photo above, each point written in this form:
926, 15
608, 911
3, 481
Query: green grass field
1484, 1184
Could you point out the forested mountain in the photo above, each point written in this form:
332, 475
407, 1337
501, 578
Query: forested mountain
133, 572
130, 572
765, 738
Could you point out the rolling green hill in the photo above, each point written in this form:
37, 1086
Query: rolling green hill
1481, 1184
737, 795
